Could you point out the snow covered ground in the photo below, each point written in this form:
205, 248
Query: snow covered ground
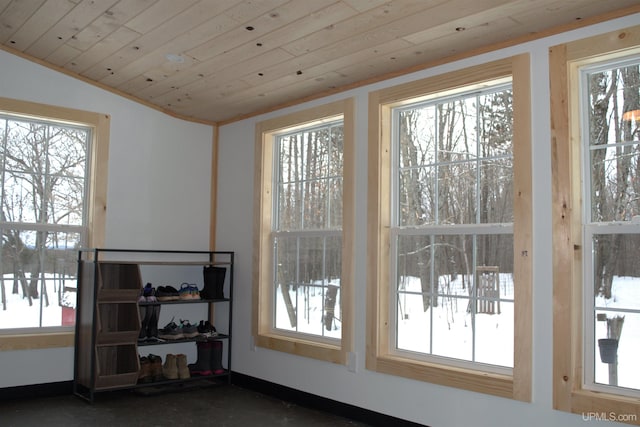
19, 314
447, 330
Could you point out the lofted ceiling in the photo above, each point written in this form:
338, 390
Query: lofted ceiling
215, 61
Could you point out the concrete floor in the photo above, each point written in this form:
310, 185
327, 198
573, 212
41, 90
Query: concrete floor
220, 406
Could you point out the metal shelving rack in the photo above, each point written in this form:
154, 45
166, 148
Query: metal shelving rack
107, 318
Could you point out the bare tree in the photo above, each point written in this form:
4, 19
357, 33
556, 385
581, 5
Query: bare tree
614, 187
310, 198
455, 168
43, 184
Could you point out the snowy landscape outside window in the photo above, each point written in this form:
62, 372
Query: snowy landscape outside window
44, 170
611, 163
307, 230
452, 228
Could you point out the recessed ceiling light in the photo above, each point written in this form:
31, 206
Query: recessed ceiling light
172, 57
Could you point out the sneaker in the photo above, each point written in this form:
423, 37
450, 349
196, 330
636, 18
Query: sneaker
149, 293
167, 293
189, 291
195, 292
148, 290
188, 330
184, 291
206, 329
171, 332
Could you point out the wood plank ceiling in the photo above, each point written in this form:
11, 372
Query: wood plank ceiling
218, 60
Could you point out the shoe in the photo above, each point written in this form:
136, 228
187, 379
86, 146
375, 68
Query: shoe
213, 282
171, 332
167, 293
144, 375
206, 329
183, 370
195, 292
203, 364
184, 292
145, 316
216, 357
170, 367
151, 298
156, 367
147, 294
148, 290
152, 324
188, 291
188, 330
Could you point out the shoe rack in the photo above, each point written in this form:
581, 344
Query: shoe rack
108, 322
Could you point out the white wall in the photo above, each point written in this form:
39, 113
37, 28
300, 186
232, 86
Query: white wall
158, 189
412, 400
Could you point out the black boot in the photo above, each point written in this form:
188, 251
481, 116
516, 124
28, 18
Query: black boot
152, 327
216, 357
145, 317
203, 364
213, 283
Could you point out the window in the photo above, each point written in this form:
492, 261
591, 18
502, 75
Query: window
451, 180
611, 146
49, 194
304, 268
596, 224
452, 232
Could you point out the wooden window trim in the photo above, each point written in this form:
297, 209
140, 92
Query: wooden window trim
36, 341
564, 62
263, 333
379, 356
100, 123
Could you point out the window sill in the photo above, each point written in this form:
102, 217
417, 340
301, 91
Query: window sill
612, 405
36, 341
468, 379
301, 347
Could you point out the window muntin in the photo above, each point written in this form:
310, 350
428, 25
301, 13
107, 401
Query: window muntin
611, 225
309, 179
44, 167
453, 227
307, 231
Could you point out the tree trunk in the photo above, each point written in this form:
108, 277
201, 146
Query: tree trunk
25, 287
330, 306
600, 94
4, 297
289, 304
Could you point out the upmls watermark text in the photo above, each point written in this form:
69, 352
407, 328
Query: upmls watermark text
609, 416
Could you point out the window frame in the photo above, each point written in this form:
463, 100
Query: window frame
380, 356
569, 392
96, 196
264, 333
